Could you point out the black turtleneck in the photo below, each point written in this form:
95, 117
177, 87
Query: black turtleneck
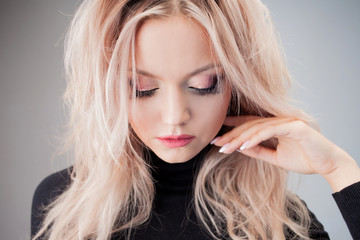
173, 216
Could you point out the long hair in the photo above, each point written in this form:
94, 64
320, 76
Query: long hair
112, 188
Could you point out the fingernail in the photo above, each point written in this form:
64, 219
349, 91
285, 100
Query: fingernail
244, 145
215, 140
223, 148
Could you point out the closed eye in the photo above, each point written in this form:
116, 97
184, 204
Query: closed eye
204, 91
145, 93
213, 89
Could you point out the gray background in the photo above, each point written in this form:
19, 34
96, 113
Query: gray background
321, 42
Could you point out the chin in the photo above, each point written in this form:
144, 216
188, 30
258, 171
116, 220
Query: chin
171, 156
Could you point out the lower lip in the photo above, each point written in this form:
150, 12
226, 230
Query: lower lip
174, 143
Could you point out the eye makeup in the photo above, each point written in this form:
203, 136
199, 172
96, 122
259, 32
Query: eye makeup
206, 84
200, 84
145, 93
144, 87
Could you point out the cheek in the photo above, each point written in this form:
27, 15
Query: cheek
142, 117
211, 112
218, 105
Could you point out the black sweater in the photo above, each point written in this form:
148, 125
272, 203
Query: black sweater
173, 216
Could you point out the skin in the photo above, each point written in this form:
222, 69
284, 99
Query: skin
309, 151
167, 51
171, 48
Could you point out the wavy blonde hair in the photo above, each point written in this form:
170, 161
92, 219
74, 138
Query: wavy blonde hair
112, 188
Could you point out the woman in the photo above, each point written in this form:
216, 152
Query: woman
181, 129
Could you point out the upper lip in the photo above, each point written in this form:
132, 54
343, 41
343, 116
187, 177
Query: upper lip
176, 137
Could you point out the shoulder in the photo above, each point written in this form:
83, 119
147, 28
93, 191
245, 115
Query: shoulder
53, 185
316, 229
46, 192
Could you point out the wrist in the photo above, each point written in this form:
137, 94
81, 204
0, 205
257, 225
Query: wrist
345, 173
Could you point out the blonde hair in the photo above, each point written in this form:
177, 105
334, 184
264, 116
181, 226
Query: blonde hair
112, 188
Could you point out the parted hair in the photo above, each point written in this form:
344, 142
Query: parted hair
111, 186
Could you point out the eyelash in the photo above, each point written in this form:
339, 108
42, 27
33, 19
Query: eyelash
146, 93
213, 89
200, 91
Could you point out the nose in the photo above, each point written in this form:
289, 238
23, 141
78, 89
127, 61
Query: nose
175, 110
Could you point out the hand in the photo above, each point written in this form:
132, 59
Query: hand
300, 148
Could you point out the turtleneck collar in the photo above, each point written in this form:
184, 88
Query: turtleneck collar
175, 178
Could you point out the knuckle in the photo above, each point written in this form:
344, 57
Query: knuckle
299, 123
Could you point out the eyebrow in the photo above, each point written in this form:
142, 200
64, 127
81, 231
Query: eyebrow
189, 75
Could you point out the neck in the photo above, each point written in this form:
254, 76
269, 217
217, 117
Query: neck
173, 178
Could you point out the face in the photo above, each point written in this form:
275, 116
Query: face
181, 96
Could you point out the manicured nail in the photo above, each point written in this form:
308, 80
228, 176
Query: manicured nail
214, 140
223, 148
244, 145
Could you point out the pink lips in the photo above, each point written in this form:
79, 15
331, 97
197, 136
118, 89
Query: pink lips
176, 141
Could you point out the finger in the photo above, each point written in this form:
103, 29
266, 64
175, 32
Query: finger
238, 120
261, 153
227, 137
236, 138
285, 129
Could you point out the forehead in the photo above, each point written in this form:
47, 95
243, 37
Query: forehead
172, 46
